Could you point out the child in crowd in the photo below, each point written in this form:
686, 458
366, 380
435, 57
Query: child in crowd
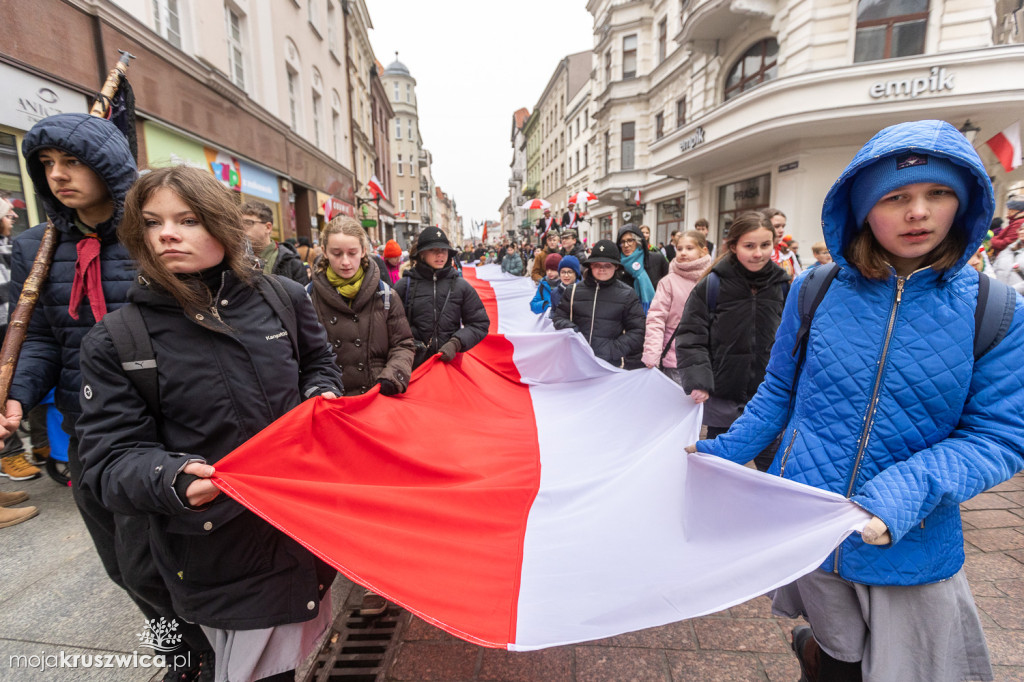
895, 408
568, 274
604, 310
444, 311
690, 263
512, 263
725, 336
392, 257
821, 255
542, 299
234, 349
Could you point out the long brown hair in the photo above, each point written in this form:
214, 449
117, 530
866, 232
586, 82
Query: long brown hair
867, 255
349, 227
744, 223
216, 209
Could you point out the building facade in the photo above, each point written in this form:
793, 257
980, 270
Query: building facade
514, 219
223, 86
712, 107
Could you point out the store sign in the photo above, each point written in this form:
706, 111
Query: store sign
28, 99
937, 80
338, 207
693, 141
259, 183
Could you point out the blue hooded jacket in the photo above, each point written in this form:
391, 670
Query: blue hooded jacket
891, 409
49, 356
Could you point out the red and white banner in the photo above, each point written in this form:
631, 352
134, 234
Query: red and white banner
376, 189
528, 495
1006, 147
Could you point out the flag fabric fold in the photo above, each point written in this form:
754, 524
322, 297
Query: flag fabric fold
376, 189
528, 494
1006, 146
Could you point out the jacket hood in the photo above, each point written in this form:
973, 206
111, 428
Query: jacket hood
930, 137
95, 142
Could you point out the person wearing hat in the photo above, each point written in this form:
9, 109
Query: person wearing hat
444, 311
542, 298
891, 409
571, 245
571, 218
546, 224
604, 310
1014, 220
392, 257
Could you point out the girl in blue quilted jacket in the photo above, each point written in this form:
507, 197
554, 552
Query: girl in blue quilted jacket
892, 409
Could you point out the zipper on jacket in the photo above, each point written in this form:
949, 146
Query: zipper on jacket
869, 416
785, 454
593, 310
216, 297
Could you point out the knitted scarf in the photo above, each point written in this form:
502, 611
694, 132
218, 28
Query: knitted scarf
348, 288
641, 281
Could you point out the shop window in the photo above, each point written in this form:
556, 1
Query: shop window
628, 146
669, 219
629, 57
758, 65
10, 184
752, 194
887, 29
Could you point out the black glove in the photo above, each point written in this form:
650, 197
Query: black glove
388, 387
449, 349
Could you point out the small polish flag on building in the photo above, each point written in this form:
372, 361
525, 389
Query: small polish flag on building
636, 198
375, 188
1006, 147
520, 503
328, 207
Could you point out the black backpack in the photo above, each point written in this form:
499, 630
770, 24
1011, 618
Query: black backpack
128, 331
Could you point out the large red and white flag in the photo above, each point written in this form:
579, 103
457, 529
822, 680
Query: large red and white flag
1006, 147
376, 189
527, 494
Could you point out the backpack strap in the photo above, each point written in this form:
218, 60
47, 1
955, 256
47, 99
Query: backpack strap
711, 293
812, 291
384, 290
128, 331
275, 294
993, 314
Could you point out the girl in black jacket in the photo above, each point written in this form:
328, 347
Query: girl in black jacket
725, 340
233, 352
444, 311
604, 310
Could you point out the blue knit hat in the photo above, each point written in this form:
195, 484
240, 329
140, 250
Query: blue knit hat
570, 262
906, 168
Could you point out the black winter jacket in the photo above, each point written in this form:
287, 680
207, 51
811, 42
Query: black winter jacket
224, 566
289, 264
440, 304
726, 353
608, 315
49, 356
654, 263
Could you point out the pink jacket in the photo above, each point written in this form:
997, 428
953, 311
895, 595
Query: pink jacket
667, 308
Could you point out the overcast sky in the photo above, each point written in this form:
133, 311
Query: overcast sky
475, 62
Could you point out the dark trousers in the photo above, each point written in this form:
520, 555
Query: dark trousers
764, 459
36, 429
123, 545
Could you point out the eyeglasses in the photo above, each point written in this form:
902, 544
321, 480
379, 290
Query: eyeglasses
249, 223
628, 240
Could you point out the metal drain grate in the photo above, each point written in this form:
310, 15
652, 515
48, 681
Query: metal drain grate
357, 650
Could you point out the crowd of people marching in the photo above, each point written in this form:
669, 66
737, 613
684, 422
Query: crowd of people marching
884, 371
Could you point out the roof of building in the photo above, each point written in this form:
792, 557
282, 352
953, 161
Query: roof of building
520, 117
398, 68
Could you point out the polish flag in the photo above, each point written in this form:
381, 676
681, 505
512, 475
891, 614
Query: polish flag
328, 212
375, 188
636, 198
528, 495
1006, 147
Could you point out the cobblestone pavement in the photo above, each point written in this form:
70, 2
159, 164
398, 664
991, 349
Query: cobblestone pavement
55, 597
744, 643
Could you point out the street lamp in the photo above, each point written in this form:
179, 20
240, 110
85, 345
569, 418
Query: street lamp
970, 131
629, 196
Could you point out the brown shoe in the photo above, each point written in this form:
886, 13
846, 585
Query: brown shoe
17, 468
11, 499
11, 517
